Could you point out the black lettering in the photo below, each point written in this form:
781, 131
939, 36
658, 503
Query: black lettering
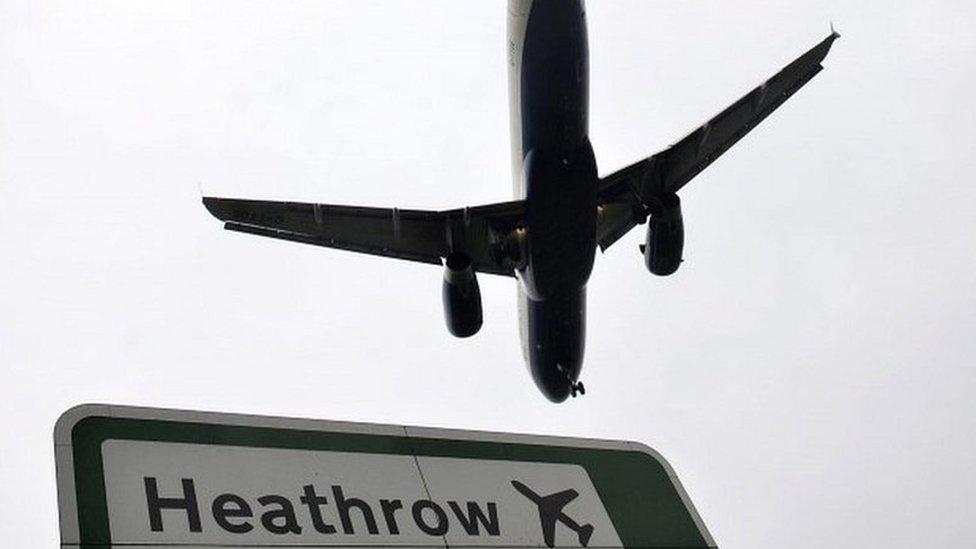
418, 516
313, 501
475, 515
389, 513
343, 505
156, 504
221, 513
285, 512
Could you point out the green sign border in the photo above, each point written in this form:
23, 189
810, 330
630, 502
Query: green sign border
639, 495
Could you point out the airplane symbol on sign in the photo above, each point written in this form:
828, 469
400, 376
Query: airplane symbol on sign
551, 512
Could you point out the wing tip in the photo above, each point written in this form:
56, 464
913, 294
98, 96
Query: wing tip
213, 205
217, 207
819, 52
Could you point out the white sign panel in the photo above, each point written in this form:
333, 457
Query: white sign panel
133, 477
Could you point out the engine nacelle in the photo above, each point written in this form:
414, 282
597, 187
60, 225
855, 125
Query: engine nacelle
462, 297
665, 236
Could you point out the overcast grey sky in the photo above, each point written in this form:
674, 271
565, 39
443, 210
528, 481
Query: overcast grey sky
809, 371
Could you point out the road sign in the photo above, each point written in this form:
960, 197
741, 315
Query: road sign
148, 478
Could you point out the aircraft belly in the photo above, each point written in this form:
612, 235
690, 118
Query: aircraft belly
548, 96
553, 80
556, 336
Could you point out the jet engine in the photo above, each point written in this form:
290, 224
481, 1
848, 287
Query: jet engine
462, 298
665, 236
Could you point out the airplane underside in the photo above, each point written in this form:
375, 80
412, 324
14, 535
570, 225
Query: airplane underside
549, 83
546, 238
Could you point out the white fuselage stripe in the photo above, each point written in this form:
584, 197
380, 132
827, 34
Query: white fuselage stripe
518, 20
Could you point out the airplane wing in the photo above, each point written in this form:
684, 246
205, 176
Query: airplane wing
626, 194
550, 508
557, 501
483, 232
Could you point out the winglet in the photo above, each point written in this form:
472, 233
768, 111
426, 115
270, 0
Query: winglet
833, 32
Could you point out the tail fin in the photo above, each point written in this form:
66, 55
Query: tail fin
585, 532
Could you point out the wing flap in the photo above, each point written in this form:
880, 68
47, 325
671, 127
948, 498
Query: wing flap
331, 243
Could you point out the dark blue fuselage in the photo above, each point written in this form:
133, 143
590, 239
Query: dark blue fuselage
555, 173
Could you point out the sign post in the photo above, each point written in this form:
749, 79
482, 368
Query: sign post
152, 478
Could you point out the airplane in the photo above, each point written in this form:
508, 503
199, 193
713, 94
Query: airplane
563, 210
551, 511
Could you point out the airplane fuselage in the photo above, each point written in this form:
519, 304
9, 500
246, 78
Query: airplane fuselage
554, 171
